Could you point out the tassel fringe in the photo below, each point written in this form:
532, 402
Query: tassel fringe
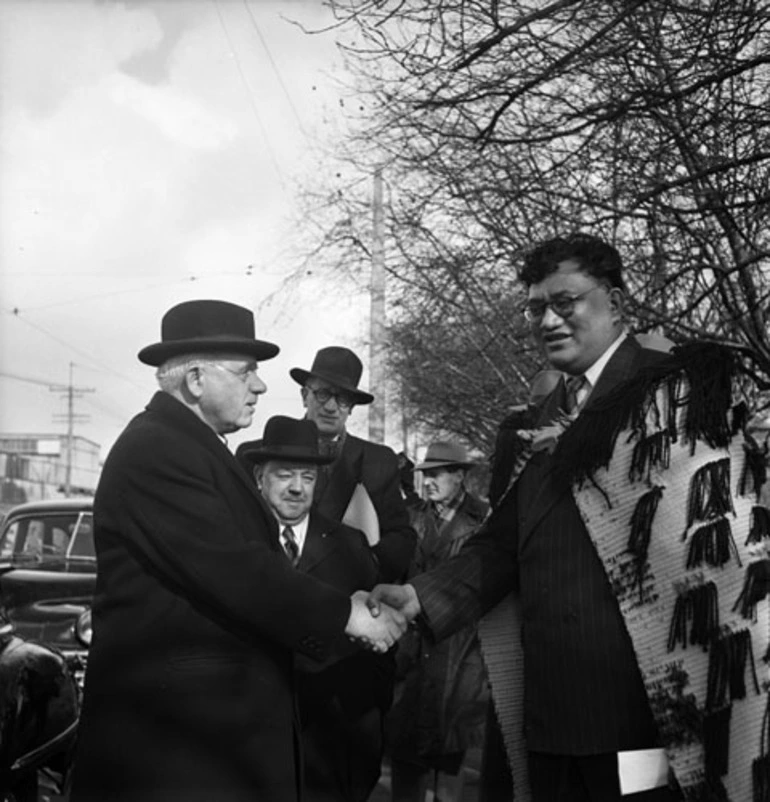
710, 492
699, 607
650, 452
755, 587
729, 655
712, 544
699, 376
641, 529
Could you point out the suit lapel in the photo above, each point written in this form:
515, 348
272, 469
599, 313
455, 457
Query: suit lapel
319, 544
622, 366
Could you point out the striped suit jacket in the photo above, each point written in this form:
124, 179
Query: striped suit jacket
583, 690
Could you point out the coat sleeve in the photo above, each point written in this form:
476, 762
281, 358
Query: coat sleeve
182, 518
397, 537
461, 590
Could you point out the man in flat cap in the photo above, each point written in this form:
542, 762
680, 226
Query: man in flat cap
341, 699
442, 697
197, 611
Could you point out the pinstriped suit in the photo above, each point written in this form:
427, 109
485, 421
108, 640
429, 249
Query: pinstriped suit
583, 690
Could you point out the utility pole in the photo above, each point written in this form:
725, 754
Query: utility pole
71, 392
377, 318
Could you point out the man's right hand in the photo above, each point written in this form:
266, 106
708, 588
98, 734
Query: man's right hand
400, 597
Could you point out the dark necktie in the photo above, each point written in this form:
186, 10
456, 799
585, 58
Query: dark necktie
574, 384
290, 545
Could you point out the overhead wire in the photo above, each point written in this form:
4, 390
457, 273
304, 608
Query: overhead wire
250, 95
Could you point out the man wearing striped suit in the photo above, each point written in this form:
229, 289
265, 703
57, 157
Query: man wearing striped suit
585, 702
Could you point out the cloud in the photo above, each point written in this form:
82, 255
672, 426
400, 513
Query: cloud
181, 118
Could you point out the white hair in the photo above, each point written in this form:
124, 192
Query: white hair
170, 374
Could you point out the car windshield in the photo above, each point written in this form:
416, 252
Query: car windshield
43, 537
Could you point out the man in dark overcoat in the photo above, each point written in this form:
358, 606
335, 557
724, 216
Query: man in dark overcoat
329, 393
189, 692
442, 696
585, 705
340, 699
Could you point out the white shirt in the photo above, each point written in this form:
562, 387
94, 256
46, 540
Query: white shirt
593, 373
299, 529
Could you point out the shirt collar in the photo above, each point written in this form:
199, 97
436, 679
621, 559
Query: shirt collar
595, 371
299, 529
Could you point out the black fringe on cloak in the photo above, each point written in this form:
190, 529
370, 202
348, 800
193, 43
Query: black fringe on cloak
699, 378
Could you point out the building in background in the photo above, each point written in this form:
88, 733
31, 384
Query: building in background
39, 466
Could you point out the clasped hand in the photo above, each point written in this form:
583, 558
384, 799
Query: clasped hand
378, 619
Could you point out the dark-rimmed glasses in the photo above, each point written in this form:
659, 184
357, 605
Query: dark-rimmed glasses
562, 305
324, 395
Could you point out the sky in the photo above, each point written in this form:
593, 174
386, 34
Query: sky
150, 153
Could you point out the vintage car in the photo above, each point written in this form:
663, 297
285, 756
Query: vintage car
47, 577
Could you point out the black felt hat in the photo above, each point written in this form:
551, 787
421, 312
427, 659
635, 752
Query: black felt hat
338, 366
288, 439
195, 326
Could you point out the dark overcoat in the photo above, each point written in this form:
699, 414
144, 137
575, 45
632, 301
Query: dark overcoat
376, 467
343, 700
442, 693
582, 686
189, 691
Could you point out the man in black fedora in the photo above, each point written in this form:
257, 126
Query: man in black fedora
360, 471
197, 611
343, 699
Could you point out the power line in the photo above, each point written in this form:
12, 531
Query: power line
250, 94
15, 313
275, 69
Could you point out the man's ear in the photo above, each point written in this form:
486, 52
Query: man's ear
617, 302
303, 392
194, 381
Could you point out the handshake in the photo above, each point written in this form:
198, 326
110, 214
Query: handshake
378, 619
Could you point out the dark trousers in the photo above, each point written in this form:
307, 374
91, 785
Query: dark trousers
591, 778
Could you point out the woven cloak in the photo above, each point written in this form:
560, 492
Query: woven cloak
668, 486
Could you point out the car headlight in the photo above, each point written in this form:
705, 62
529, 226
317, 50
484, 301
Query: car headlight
83, 629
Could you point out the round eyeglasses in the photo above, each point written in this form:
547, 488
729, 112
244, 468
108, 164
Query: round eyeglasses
243, 375
323, 396
561, 305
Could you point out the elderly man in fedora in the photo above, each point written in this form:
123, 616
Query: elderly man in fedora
341, 700
442, 693
197, 611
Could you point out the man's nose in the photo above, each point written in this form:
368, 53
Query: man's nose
295, 485
550, 319
256, 385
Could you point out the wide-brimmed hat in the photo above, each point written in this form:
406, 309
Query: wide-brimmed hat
289, 439
195, 326
443, 454
338, 366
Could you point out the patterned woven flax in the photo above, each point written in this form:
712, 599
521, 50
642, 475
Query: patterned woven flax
676, 541
668, 487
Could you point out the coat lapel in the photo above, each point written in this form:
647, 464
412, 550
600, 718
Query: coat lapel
319, 544
182, 419
622, 365
342, 479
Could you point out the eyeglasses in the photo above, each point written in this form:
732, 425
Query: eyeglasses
323, 396
563, 305
243, 375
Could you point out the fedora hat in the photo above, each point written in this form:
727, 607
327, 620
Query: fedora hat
289, 439
442, 454
195, 326
338, 366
